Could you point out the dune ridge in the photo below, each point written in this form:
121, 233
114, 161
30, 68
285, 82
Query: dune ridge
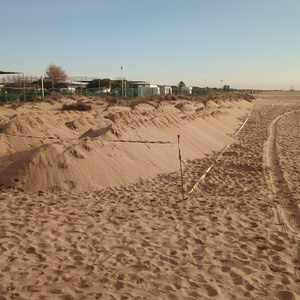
34, 164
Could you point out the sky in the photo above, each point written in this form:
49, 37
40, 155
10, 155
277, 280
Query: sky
251, 44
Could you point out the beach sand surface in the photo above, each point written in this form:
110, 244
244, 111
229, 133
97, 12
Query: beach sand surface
96, 219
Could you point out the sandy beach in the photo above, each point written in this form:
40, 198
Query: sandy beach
88, 218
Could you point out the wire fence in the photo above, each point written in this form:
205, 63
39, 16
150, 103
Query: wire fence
10, 95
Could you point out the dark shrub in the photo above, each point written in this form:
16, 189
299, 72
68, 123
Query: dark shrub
77, 106
16, 104
56, 96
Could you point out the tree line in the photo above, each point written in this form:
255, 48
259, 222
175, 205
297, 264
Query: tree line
56, 77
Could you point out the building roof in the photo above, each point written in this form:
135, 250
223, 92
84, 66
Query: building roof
7, 72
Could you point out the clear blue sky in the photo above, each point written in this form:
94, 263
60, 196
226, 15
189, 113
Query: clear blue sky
245, 43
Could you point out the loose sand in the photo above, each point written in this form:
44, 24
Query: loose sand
86, 219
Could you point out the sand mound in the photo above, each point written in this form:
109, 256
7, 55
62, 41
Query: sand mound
87, 159
143, 107
210, 105
186, 107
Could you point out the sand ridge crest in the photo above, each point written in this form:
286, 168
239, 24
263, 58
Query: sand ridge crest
85, 163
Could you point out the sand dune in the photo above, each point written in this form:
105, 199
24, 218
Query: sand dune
235, 237
34, 164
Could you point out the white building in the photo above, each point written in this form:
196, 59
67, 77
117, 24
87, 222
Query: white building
165, 90
148, 90
68, 90
187, 90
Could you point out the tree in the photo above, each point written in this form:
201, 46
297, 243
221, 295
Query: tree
116, 84
226, 88
103, 83
106, 82
18, 80
56, 74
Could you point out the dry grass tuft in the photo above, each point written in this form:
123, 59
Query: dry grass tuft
16, 104
77, 106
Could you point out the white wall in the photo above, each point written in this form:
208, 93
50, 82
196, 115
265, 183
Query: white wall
148, 90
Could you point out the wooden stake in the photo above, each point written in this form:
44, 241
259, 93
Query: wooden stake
180, 164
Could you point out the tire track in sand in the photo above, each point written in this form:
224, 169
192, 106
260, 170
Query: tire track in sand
287, 213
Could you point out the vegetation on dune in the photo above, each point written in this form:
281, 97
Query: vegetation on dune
132, 102
80, 106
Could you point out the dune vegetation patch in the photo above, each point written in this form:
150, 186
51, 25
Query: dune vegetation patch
77, 106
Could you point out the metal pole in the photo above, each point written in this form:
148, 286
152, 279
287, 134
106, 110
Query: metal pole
122, 80
180, 163
43, 94
86, 91
24, 90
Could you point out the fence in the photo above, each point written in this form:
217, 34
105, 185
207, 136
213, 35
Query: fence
28, 94
9, 95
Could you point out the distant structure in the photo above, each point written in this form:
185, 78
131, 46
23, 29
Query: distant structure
135, 83
164, 90
68, 90
103, 90
148, 90
187, 90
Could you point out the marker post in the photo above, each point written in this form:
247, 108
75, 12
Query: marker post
180, 164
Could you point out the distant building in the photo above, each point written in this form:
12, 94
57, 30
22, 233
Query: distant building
136, 83
68, 90
187, 90
106, 90
148, 90
164, 90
